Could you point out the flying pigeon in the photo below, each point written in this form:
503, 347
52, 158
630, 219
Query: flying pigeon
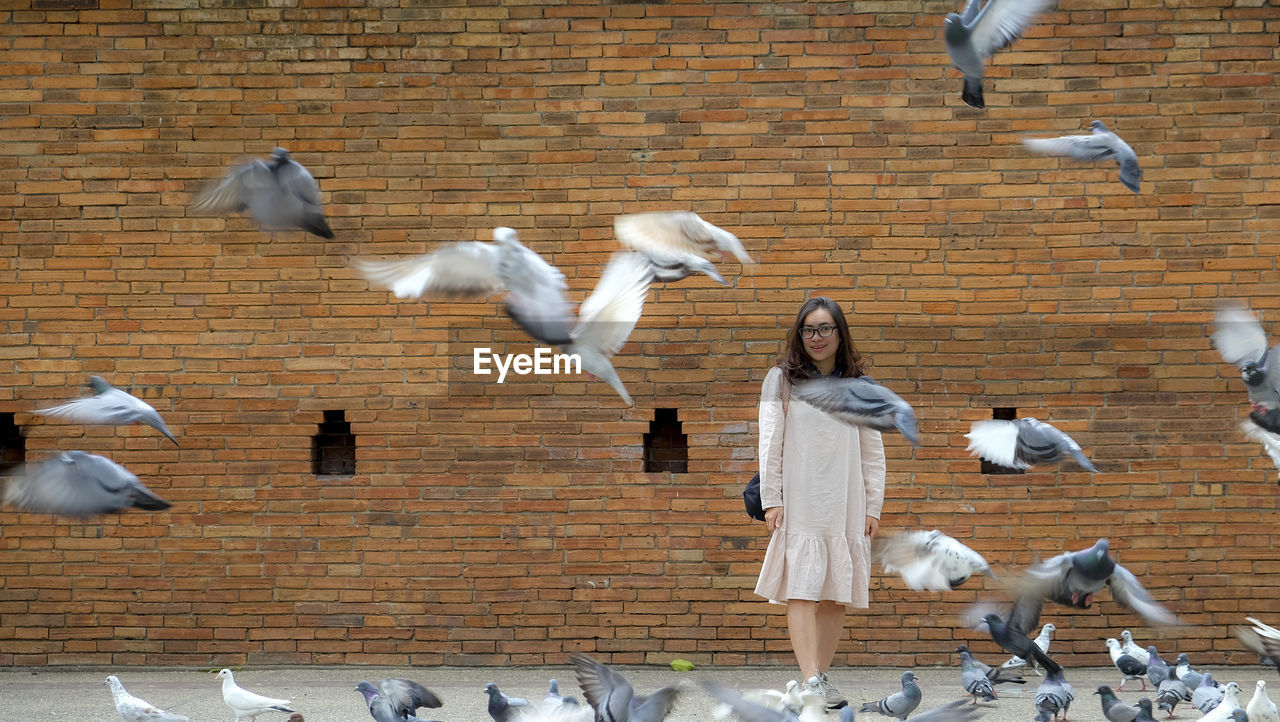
1127, 646
396, 700
668, 234
953, 711
1207, 696
1102, 144
974, 680
929, 560
134, 709
743, 708
862, 401
1023, 443
794, 698
535, 294
280, 195
108, 405
1042, 641
671, 266
1241, 341
1171, 692
1114, 709
1157, 669
1130, 667
612, 697
899, 704
1261, 708
977, 34
1230, 701
75, 483
1185, 674
1012, 640
246, 704
1055, 695
501, 707
1261, 638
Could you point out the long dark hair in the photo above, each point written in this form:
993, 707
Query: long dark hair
795, 362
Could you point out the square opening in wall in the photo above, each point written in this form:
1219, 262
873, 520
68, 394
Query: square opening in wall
13, 445
665, 448
333, 448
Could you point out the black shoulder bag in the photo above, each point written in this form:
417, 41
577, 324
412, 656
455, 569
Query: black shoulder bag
751, 494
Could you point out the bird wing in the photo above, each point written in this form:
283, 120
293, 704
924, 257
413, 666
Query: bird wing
1263, 629
608, 693
238, 697
1039, 442
406, 696
656, 706
535, 294
1127, 590
745, 710
996, 441
970, 11
676, 233
137, 709
233, 193
852, 400
458, 269
1079, 147
607, 317
73, 483
1000, 22
955, 711
112, 407
1238, 336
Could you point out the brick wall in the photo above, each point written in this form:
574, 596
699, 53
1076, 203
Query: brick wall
513, 524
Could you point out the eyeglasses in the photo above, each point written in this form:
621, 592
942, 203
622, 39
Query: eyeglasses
819, 331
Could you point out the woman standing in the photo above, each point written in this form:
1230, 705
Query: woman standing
822, 486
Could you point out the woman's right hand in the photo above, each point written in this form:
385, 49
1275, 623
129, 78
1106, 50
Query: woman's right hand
773, 518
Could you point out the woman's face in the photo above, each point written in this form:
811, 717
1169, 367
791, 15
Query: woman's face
818, 347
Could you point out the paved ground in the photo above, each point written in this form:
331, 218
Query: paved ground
327, 694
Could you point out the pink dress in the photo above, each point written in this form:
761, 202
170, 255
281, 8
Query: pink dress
828, 477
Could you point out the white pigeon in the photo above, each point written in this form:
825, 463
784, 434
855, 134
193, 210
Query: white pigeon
135, 709
672, 234
930, 560
246, 704
1230, 702
1127, 646
1261, 708
108, 405
794, 698
1101, 144
1042, 641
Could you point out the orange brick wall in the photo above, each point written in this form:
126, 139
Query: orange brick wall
513, 524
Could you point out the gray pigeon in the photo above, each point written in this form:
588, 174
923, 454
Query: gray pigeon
899, 704
1102, 144
76, 483
1055, 694
976, 35
108, 405
1238, 715
860, 400
1207, 696
1014, 641
396, 700
501, 707
1185, 674
1240, 341
280, 195
929, 560
995, 675
612, 697
1023, 443
1170, 692
1114, 709
744, 709
1144, 711
974, 680
1157, 669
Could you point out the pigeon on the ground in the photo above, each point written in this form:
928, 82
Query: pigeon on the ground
612, 697
975, 680
76, 483
1101, 144
108, 405
860, 401
1157, 669
396, 700
246, 704
280, 195
1023, 443
1113, 708
1185, 674
1130, 667
1129, 647
1144, 711
743, 708
899, 704
1208, 695
1261, 638
1170, 693
1073, 578
995, 675
1012, 640
1241, 342
501, 707
929, 560
1042, 641
664, 234
1230, 701
535, 294
976, 35
135, 709
1055, 695
1260, 707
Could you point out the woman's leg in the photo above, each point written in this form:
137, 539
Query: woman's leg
802, 627
830, 629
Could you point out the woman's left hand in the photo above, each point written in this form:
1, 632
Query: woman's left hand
873, 525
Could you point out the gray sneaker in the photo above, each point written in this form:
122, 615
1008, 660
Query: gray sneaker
829, 692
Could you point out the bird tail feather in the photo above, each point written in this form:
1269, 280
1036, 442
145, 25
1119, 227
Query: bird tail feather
972, 93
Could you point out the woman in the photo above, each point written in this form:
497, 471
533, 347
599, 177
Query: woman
822, 486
